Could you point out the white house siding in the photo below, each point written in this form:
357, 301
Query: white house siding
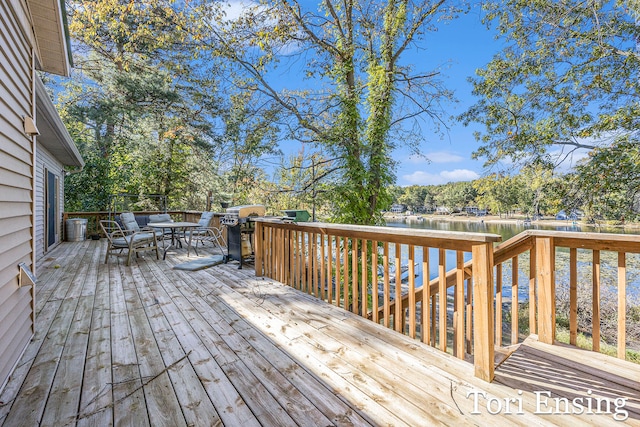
46, 162
16, 184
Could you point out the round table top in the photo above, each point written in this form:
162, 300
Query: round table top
178, 224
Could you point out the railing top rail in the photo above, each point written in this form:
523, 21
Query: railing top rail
587, 240
445, 239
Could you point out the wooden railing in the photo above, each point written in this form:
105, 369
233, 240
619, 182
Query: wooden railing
575, 261
340, 264
474, 298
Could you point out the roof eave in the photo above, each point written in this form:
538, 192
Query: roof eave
54, 136
52, 36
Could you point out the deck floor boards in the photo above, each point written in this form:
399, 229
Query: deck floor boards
150, 345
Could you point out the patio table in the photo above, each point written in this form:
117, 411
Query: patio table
173, 226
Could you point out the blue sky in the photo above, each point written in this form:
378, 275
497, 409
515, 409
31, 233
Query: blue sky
464, 45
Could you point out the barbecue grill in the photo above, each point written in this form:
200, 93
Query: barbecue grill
240, 229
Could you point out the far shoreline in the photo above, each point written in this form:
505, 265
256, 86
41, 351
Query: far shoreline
514, 220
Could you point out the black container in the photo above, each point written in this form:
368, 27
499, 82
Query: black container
234, 240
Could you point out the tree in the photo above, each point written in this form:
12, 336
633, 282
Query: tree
142, 111
608, 183
455, 196
414, 197
568, 78
250, 133
542, 191
358, 91
497, 192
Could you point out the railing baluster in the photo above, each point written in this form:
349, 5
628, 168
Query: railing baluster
499, 305
514, 300
354, 276
458, 314
302, 262
433, 320
345, 284
398, 314
622, 305
281, 275
338, 268
387, 290
469, 315
442, 303
314, 270
532, 292
323, 267
290, 258
412, 292
300, 255
365, 278
573, 296
596, 301
268, 249
374, 283
426, 297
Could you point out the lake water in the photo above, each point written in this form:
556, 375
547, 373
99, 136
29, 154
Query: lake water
508, 230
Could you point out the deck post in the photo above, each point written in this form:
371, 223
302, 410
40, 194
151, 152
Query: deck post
258, 241
483, 320
545, 256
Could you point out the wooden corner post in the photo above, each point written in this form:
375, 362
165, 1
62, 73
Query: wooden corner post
545, 257
258, 241
483, 320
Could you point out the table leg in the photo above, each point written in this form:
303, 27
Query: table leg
189, 243
166, 248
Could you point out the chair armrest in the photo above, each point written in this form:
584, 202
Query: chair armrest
216, 233
118, 233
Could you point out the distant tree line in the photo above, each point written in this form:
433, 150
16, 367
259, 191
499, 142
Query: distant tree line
532, 192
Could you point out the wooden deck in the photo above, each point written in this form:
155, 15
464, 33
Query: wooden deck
149, 345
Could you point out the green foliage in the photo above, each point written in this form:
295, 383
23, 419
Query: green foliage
142, 113
568, 77
569, 72
413, 196
455, 196
610, 181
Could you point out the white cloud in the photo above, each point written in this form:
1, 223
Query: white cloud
444, 157
425, 178
459, 175
236, 8
436, 157
567, 158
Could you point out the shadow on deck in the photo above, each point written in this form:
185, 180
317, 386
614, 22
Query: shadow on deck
149, 345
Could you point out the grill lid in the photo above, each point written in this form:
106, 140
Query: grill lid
246, 210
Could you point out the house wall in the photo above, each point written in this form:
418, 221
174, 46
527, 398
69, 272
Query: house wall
16, 183
46, 162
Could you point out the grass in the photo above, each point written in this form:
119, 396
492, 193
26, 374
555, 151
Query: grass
586, 342
583, 340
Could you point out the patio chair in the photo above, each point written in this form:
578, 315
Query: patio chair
125, 243
204, 233
166, 234
128, 220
